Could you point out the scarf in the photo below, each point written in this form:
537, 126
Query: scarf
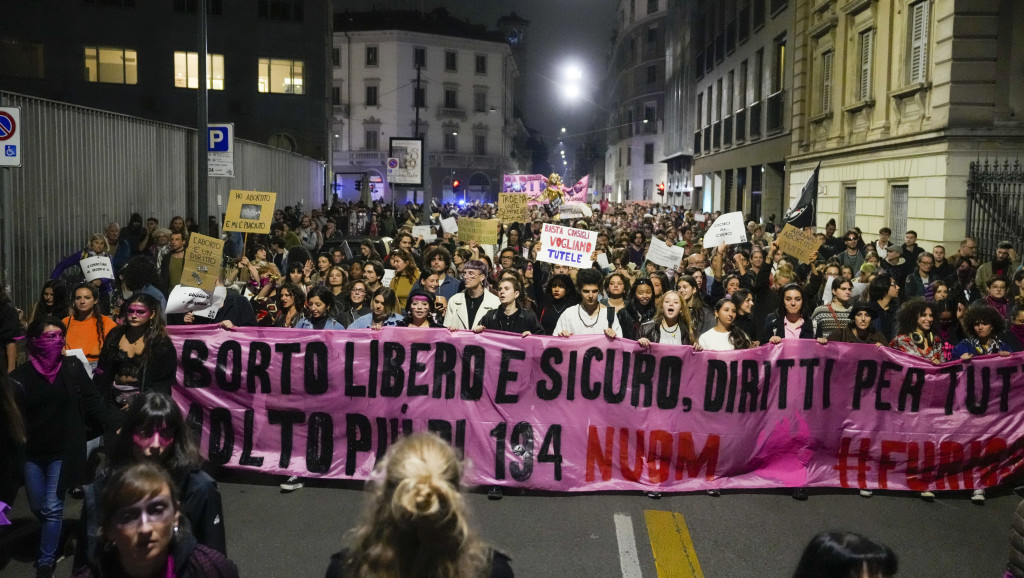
998, 304
1018, 330
45, 354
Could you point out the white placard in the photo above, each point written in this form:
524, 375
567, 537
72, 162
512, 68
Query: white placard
602, 260
389, 275
98, 267
184, 299
450, 225
566, 245
858, 289
662, 254
728, 229
80, 354
699, 217
424, 231
826, 296
220, 294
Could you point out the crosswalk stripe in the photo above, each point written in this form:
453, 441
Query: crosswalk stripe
674, 556
629, 560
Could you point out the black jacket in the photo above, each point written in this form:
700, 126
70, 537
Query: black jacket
191, 560
521, 321
775, 326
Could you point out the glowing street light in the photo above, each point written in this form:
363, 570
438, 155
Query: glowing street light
563, 129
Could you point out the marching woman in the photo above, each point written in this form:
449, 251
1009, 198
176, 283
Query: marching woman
700, 314
790, 321
53, 392
859, 330
639, 309
406, 275
383, 311
53, 300
289, 309
835, 316
744, 302
725, 335
318, 308
138, 356
87, 327
511, 316
561, 294
671, 325
355, 306
419, 311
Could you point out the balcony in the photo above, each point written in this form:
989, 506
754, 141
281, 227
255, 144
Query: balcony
776, 112
741, 125
727, 128
360, 158
341, 111
444, 113
755, 120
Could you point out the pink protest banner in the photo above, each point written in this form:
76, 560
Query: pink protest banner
588, 413
534, 185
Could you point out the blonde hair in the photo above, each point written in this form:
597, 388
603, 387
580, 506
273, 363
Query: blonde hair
416, 523
685, 319
97, 237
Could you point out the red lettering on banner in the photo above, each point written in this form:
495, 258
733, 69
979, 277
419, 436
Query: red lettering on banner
658, 455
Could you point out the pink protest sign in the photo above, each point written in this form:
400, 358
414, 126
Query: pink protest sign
588, 413
534, 185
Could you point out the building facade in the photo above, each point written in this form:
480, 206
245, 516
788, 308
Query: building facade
680, 121
394, 70
635, 88
266, 69
743, 104
895, 98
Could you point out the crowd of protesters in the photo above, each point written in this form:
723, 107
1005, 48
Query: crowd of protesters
326, 270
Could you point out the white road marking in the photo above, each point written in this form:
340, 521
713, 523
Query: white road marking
628, 558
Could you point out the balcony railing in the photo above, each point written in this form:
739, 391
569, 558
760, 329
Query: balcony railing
741, 125
755, 120
444, 113
727, 131
776, 116
341, 110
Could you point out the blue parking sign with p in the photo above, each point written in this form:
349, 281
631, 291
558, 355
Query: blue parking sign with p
220, 139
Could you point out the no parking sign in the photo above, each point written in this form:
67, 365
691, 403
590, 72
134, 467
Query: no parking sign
10, 136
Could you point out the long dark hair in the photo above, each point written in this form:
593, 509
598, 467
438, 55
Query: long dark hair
60, 300
95, 313
845, 554
151, 410
157, 327
781, 312
737, 337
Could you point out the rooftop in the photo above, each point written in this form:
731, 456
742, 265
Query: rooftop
438, 21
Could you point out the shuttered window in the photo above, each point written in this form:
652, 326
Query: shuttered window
826, 81
864, 77
918, 65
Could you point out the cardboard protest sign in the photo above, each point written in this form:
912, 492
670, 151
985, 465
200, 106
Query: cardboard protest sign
728, 229
662, 254
98, 267
203, 260
483, 231
249, 212
566, 246
184, 299
513, 207
794, 241
450, 225
424, 231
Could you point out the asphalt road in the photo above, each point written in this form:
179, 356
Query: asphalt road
756, 534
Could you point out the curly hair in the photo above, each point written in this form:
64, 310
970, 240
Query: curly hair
416, 523
983, 314
906, 317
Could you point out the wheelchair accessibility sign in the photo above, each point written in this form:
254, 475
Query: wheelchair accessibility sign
10, 136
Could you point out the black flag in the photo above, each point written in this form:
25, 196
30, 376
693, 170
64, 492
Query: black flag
802, 214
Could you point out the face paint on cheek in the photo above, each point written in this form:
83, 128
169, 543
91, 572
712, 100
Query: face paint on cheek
163, 439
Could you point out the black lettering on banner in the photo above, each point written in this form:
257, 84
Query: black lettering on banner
826, 385
392, 375
258, 368
669, 374
247, 458
954, 378
643, 377
551, 449
193, 363
371, 388
784, 366
1004, 391
286, 350
610, 395
767, 385
445, 359
522, 446
810, 364
194, 420
416, 366
884, 383
233, 350
319, 442
748, 386
443, 428
545, 392
360, 439
570, 379
730, 398
315, 378
590, 390
286, 418
351, 389
472, 373
382, 436
867, 370
714, 389
978, 403
498, 433
913, 384
506, 376
222, 437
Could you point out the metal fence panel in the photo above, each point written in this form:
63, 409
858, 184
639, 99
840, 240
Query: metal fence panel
85, 167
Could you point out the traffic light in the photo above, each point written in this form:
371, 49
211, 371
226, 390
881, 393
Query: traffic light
455, 186
661, 188
359, 185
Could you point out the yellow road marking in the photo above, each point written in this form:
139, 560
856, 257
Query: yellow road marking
674, 556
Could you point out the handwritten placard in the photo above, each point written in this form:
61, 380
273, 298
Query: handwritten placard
450, 225
425, 231
662, 254
249, 212
202, 262
566, 245
483, 231
794, 241
98, 267
728, 229
513, 207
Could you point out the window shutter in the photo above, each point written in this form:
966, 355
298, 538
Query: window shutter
865, 65
918, 41
826, 81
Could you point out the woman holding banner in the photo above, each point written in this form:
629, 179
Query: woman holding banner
289, 311
384, 311
671, 325
858, 329
639, 309
318, 306
725, 335
513, 315
560, 295
419, 311
702, 317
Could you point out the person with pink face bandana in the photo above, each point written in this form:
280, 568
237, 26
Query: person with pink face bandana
53, 392
154, 431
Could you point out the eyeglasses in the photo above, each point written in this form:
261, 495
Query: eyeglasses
851, 238
358, 291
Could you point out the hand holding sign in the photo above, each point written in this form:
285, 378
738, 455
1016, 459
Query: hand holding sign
98, 267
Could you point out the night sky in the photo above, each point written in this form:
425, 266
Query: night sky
561, 31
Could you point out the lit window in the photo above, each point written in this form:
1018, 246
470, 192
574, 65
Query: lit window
280, 76
113, 65
186, 70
